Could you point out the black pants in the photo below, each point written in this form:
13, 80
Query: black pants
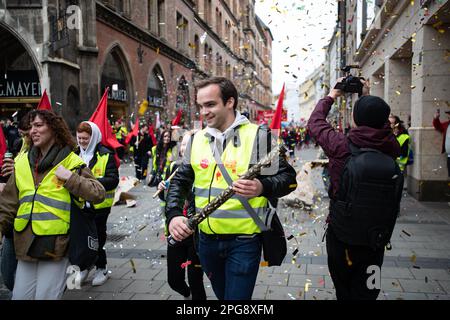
100, 222
448, 166
178, 255
350, 281
141, 165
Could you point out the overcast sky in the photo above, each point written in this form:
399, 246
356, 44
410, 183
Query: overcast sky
300, 29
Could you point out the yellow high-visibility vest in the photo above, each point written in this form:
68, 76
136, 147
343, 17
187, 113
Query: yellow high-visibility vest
166, 165
231, 217
402, 161
99, 170
47, 206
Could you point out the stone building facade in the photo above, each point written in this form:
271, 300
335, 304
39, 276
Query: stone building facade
403, 47
154, 50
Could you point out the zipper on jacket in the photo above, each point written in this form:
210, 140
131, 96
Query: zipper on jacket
209, 195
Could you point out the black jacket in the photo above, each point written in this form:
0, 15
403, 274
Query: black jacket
274, 186
110, 180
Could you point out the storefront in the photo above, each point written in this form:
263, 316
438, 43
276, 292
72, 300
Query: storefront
113, 76
157, 94
20, 88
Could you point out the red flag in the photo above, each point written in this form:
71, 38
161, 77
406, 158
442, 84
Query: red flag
276, 122
177, 120
152, 134
44, 103
133, 133
100, 118
3, 146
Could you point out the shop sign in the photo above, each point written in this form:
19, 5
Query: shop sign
155, 101
20, 84
118, 95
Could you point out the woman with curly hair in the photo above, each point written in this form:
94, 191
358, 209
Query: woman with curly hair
36, 204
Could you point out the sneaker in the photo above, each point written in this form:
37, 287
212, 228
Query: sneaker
84, 275
100, 277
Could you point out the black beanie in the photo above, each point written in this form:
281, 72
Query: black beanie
371, 111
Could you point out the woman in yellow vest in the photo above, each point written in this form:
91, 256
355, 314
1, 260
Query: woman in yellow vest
101, 162
162, 157
403, 139
36, 202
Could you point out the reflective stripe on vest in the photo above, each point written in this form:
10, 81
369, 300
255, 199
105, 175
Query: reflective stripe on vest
99, 170
231, 217
48, 206
402, 161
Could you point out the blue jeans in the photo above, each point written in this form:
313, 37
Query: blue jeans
231, 265
9, 263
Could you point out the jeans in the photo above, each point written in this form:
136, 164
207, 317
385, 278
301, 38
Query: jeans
9, 263
41, 280
231, 265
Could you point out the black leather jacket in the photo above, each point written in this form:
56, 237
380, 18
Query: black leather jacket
274, 186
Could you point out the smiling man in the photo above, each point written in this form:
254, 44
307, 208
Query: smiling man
229, 240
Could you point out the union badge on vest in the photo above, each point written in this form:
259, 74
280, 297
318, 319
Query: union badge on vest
204, 164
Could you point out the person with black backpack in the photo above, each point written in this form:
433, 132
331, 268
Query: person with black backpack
365, 192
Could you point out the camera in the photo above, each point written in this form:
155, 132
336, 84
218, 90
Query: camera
350, 83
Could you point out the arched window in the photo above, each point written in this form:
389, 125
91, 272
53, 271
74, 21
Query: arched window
156, 88
183, 101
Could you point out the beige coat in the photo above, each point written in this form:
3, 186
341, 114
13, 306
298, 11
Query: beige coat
84, 186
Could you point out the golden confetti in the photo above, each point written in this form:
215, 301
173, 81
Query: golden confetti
413, 258
133, 266
307, 286
264, 264
398, 92
157, 50
349, 262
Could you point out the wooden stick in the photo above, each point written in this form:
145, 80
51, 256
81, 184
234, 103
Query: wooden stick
168, 180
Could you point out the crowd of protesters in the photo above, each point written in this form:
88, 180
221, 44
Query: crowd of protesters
51, 172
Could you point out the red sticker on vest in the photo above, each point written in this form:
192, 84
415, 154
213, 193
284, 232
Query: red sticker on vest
204, 164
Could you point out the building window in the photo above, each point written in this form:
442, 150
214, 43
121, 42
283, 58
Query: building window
227, 70
182, 32
161, 18
196, 49
207, 12
218, 23
235, 43
365, 13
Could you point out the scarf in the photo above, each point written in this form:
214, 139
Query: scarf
96, 137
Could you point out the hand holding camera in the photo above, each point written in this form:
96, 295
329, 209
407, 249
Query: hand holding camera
352, 84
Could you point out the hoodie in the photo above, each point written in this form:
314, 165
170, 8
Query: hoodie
222, 137
336, 144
